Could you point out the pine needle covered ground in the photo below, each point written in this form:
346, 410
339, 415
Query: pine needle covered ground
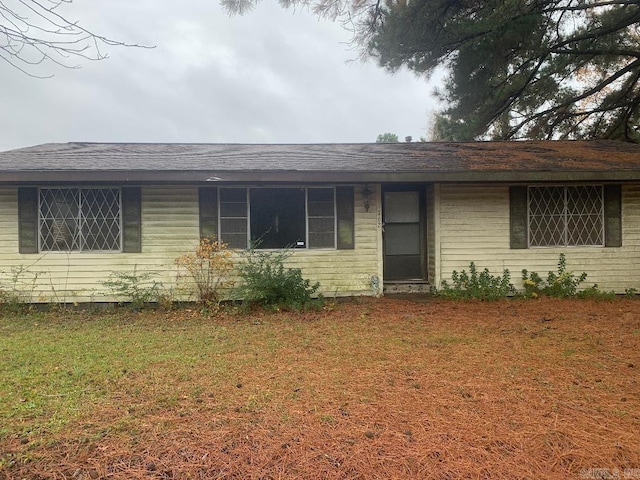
368, 389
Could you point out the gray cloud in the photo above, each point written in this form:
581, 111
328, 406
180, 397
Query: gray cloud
269, 76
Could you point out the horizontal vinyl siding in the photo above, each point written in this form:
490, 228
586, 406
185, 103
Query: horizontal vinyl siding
346, 272
169, 229
8, 222
474, 227
169, 223
431, 234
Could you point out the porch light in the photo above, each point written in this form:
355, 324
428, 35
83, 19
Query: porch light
366, 196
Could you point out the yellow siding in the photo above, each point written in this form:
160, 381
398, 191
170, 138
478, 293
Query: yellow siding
347, 272
8, 220
474, 226
431, 233
169, 228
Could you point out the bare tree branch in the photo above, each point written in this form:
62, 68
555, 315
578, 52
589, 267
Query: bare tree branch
35, 32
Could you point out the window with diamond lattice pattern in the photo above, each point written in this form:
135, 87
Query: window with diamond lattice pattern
566, 216
80, 219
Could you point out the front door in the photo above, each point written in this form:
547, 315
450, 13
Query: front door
403, 209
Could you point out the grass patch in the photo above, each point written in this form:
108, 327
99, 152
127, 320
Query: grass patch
58, 368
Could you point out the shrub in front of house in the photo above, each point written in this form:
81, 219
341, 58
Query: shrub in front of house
17, 288
477, 285
136, 289
209, 268
559, 284
265, 280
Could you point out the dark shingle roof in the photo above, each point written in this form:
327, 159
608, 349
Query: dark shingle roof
477, 161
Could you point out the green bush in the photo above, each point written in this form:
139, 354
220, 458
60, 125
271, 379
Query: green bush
136, 289
266, 281
559, 284
479, 286
594, 293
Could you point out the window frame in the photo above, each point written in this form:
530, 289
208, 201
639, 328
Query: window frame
335, 218
306, 189
566, 215
81, 189
246, 217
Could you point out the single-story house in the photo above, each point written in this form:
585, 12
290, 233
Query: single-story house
364, 218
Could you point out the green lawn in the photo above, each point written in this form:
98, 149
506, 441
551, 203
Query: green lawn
58, 367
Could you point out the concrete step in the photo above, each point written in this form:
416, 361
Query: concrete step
421, 287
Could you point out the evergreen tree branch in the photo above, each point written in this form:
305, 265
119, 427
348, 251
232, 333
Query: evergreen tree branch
567, 103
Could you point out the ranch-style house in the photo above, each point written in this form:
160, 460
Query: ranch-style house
364, 219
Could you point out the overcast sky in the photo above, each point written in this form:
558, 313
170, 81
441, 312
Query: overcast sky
270, 76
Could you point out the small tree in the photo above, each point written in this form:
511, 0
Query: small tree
209, 267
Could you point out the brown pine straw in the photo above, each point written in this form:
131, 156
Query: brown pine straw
473, 410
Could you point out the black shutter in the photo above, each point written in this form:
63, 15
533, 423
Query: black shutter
28, 220
612, 216
518, 216
208, 205
131, 220
345, 220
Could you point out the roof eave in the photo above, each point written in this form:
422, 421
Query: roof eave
213, 177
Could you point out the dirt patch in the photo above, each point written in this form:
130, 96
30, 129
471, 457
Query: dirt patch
370, 389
